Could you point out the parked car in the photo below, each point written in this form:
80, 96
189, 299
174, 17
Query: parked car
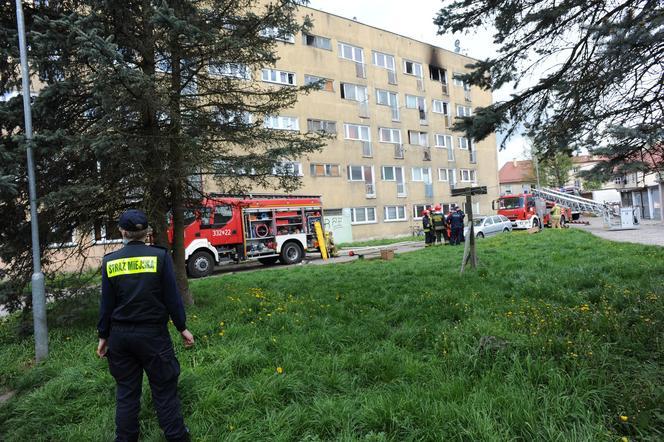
490, 225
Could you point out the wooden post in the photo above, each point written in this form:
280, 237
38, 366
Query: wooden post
469, 253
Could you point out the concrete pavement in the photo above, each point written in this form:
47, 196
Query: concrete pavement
650, 232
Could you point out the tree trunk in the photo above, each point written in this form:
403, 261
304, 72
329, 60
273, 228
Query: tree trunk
177, 169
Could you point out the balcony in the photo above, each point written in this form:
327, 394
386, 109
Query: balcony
367, 149
473, 157
445, 89
466, 96
427, 154
360, 70
401, 190
364, 109
428, 190
370, 190
398, 151
391, 77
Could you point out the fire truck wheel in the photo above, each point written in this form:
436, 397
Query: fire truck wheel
291, 253
535, 222
268, 261
562, 222
200, 264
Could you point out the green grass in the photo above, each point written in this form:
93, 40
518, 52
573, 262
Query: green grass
389, 350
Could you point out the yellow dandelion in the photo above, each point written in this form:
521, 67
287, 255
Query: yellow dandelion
222, 333
280, 370
623, 418
624, 439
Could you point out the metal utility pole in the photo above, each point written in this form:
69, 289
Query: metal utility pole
38, 289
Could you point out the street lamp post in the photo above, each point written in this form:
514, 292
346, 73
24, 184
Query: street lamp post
38, 289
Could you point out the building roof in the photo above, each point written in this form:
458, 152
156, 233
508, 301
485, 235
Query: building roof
516, 172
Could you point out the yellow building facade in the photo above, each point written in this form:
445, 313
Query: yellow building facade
391, 102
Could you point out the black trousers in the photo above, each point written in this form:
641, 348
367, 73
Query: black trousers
457, 234
133, 349
438, 235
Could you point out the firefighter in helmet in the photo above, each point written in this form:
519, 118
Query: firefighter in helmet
426, 227
438, 223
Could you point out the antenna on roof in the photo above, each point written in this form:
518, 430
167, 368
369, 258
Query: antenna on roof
457, 46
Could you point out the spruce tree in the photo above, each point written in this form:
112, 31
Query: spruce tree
602, 86
140, 95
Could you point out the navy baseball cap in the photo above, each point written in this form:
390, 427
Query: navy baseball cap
133, 220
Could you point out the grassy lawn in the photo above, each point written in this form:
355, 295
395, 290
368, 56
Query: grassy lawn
557, 336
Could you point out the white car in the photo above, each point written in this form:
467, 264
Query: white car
490, 225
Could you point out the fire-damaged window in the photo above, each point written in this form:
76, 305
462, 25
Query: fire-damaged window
438, 74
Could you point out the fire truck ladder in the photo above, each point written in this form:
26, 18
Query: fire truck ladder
577, 203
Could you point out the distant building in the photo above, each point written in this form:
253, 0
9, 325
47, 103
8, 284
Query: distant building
607, 192
517, 177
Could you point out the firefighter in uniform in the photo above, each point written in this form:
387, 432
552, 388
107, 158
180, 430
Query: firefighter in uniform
438, 222
456, 224
138, 295
426, 228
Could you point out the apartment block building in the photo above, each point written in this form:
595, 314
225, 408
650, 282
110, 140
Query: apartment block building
391, 101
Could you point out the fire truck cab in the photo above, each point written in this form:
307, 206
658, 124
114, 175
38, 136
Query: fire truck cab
231, 229
522, 211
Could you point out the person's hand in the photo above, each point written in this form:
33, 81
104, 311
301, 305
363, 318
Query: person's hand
187, 338
102, 348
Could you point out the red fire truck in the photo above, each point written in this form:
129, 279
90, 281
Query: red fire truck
521, 210
226, 228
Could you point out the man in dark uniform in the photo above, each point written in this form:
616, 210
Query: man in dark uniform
138, 294
456, 224
426, 228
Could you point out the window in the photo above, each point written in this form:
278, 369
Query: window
384, 61
440, 107
419, 208
352, 53
412, 68
395, 213
288, 168
467, 175
362, 215
222, 215
456, 78
235, 70
280, 77
232, 118
445, 174
107, 232
386, 98
317, 41
415, 102
354, 92
438, 74
422, 174
357, 132
281, 123
387, 173
364, 174
443, 141
277, 34
387, 135
463, 143
419, 103
325, 126
464, 111
326, 84
329, 170
418, 138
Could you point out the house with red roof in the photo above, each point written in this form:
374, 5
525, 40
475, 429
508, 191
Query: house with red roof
517, 177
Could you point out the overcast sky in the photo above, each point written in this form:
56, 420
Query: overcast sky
414, 19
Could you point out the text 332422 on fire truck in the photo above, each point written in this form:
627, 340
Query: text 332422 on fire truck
226, 229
